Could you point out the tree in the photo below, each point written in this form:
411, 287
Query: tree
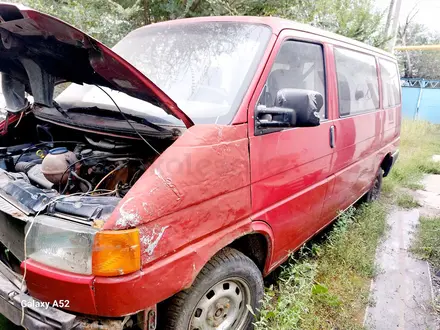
106, 20
356, 19
402, 35
418, 64
109, 20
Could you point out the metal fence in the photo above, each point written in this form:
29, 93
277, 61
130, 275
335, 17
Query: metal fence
421, 99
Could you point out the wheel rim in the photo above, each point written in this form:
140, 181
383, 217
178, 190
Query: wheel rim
222, 307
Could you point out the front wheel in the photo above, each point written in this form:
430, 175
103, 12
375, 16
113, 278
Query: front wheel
219, 296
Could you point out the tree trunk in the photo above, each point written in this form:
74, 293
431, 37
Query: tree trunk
147, 18
408, 67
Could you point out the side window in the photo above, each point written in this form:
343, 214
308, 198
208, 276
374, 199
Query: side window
298, 65
358, 87
390, 83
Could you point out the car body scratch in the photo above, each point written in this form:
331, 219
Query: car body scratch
129, 215
151, 241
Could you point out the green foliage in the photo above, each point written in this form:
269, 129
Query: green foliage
418, 64
285, 304
419, 141
106, 20
407, 201
109, 20
326, 285
427, 243
356, 19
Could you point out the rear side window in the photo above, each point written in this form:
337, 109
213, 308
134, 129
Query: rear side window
358, 87
390, 83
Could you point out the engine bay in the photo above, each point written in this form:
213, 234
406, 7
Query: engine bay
67, 172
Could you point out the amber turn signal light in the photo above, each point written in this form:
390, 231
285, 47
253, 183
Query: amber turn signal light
116, 252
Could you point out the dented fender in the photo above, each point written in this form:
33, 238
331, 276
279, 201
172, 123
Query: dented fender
198, 186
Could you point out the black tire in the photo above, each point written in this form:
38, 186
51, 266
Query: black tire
227, 265
375, 191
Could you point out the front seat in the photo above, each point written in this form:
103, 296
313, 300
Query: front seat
344, 96
278, 79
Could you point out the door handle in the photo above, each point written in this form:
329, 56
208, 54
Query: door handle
332, 136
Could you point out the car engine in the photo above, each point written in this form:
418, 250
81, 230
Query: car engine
99, 167
91, 175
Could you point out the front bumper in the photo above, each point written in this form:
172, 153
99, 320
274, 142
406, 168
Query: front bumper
35, 316
15, 306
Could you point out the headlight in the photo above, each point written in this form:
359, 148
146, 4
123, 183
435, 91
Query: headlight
84, 250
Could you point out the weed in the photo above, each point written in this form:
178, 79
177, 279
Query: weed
414, 186
326, 285
419, 141
284, 305
426, 245
427, 241
407, 201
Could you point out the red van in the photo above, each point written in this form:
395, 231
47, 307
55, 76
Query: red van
181, 167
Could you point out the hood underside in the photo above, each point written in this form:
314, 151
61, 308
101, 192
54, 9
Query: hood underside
38, 51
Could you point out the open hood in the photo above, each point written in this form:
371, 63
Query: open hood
38, 50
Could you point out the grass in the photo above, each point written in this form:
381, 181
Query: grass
406, 201
426, 244
419, 141
326, 285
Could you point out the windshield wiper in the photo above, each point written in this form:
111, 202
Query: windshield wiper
61, 110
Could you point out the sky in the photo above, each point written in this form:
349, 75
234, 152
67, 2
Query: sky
429, 11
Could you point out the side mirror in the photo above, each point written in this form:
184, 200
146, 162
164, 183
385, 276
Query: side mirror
305, 103
274, 117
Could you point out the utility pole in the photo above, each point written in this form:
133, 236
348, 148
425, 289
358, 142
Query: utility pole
390, 15
395, 25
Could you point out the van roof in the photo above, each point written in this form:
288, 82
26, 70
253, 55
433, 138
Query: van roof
277, 24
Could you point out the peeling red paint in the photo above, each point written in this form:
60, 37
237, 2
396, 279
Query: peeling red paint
218, 183
197, 186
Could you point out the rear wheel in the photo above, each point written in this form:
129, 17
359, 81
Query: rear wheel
375, 191
219, 296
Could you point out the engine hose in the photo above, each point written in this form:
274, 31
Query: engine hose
67, 183
117, 168
69, 168
87, 183
113, 159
